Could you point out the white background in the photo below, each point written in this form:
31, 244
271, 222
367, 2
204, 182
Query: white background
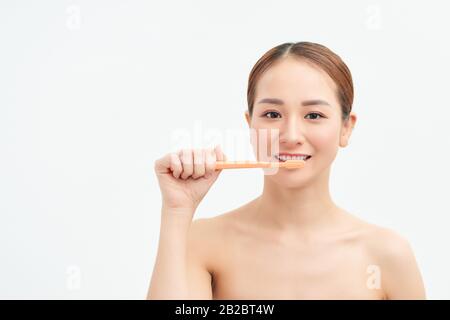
92, 92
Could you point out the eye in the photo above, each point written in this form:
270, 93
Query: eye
315, 113
272, 113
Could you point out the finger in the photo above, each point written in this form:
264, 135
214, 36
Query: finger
162, 164
219, 153
187, 163
199, 163
175, 166
210, 162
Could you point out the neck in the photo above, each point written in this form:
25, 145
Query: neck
307, 208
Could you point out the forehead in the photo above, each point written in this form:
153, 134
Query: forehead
294, 79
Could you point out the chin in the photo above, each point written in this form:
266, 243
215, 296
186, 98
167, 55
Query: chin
286, 178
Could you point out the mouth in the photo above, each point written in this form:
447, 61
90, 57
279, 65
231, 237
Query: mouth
282, 157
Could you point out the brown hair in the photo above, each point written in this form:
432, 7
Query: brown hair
320, 56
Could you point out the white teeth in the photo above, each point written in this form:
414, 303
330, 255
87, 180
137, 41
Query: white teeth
285, 157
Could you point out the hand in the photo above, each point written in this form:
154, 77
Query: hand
186, 176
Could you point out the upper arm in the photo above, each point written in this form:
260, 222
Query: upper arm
400, 275
198, 276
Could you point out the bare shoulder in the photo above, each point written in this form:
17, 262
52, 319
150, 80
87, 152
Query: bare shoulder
393, 254
211, 228
202, 233
387, 245
382, 242
206, 238
215, 228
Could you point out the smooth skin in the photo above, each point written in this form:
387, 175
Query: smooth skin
291, 242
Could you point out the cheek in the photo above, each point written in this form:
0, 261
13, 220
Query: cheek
325, 140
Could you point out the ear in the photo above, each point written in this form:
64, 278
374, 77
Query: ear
248, 118
346, 130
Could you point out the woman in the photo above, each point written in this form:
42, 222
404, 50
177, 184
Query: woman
293, 241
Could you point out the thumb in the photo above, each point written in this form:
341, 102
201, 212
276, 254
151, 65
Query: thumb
220, 154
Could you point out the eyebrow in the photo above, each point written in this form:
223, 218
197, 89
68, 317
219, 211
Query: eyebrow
313, 102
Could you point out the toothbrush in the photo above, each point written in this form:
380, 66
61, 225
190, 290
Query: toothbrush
288, 164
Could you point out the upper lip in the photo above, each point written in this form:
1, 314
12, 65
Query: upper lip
291, 154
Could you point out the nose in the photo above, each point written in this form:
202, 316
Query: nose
291, 134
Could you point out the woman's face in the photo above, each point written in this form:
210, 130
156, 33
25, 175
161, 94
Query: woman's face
300, 101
